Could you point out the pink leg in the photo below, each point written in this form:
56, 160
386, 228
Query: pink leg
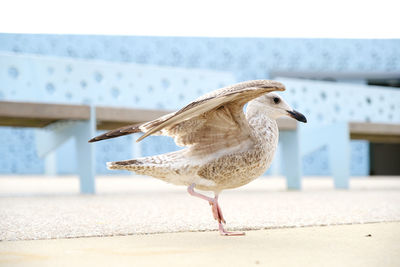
213, 203
216, 210
191, 191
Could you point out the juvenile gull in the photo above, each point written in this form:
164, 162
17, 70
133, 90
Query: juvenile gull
224, 147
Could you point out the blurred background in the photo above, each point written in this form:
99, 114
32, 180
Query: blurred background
161, 56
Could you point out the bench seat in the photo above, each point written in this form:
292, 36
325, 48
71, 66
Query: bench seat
39, 115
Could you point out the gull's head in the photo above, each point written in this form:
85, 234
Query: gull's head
276, 107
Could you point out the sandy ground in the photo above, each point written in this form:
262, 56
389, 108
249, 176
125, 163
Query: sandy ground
346, 245
44, 208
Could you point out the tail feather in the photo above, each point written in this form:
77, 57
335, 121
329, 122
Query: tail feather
140, 167
115, 165
149, 165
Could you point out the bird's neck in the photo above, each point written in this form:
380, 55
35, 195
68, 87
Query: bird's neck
265, 129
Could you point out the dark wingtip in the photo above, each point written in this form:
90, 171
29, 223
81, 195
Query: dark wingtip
116, 133
96, 139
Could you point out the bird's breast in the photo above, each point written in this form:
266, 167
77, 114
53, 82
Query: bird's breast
232, 170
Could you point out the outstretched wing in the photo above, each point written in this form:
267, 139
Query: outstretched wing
239, 94
213, 116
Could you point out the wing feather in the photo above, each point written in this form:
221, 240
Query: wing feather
211, 117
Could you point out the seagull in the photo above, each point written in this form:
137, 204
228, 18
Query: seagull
225, 145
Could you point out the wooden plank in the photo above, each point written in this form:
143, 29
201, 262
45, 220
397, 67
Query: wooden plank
128, 114
375, 132
26, 114
43, 111
25, 122
109, 118
395, 139
374, 128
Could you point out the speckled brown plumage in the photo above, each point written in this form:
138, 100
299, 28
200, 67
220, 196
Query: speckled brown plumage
225, 148
230, 170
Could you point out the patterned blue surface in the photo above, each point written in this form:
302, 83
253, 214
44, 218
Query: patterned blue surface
78, 81
328, 102
359, 160
246, 58
73, 81
17, 152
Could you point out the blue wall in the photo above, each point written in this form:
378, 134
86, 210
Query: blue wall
246, 58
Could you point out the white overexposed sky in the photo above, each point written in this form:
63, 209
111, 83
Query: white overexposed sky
215, 18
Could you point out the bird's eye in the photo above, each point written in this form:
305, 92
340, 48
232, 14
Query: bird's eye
276, 100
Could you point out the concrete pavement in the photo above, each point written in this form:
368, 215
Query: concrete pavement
363, 245
135, 205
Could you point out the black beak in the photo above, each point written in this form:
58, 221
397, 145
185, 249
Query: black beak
297, 116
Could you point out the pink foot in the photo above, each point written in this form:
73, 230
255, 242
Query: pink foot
223, 232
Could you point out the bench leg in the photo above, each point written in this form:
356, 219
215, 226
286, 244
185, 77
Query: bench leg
51, 138
85, 157
291, 158
50, 164
85, 153
336, 137
275, 168
339, 155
